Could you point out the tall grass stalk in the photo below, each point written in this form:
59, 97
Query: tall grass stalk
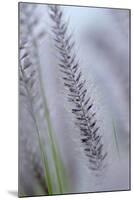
55, 153
77, 92
54, 148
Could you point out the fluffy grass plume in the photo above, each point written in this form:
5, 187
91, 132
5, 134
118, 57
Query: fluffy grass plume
77, 91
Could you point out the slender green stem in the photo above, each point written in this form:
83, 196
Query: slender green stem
46, 115
45, 165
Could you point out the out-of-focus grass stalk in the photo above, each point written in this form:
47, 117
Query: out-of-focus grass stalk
43, 156
58, 165
41, 185
57, 162
115, 139
45, 166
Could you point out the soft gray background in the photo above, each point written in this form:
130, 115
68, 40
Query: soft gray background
102, 38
